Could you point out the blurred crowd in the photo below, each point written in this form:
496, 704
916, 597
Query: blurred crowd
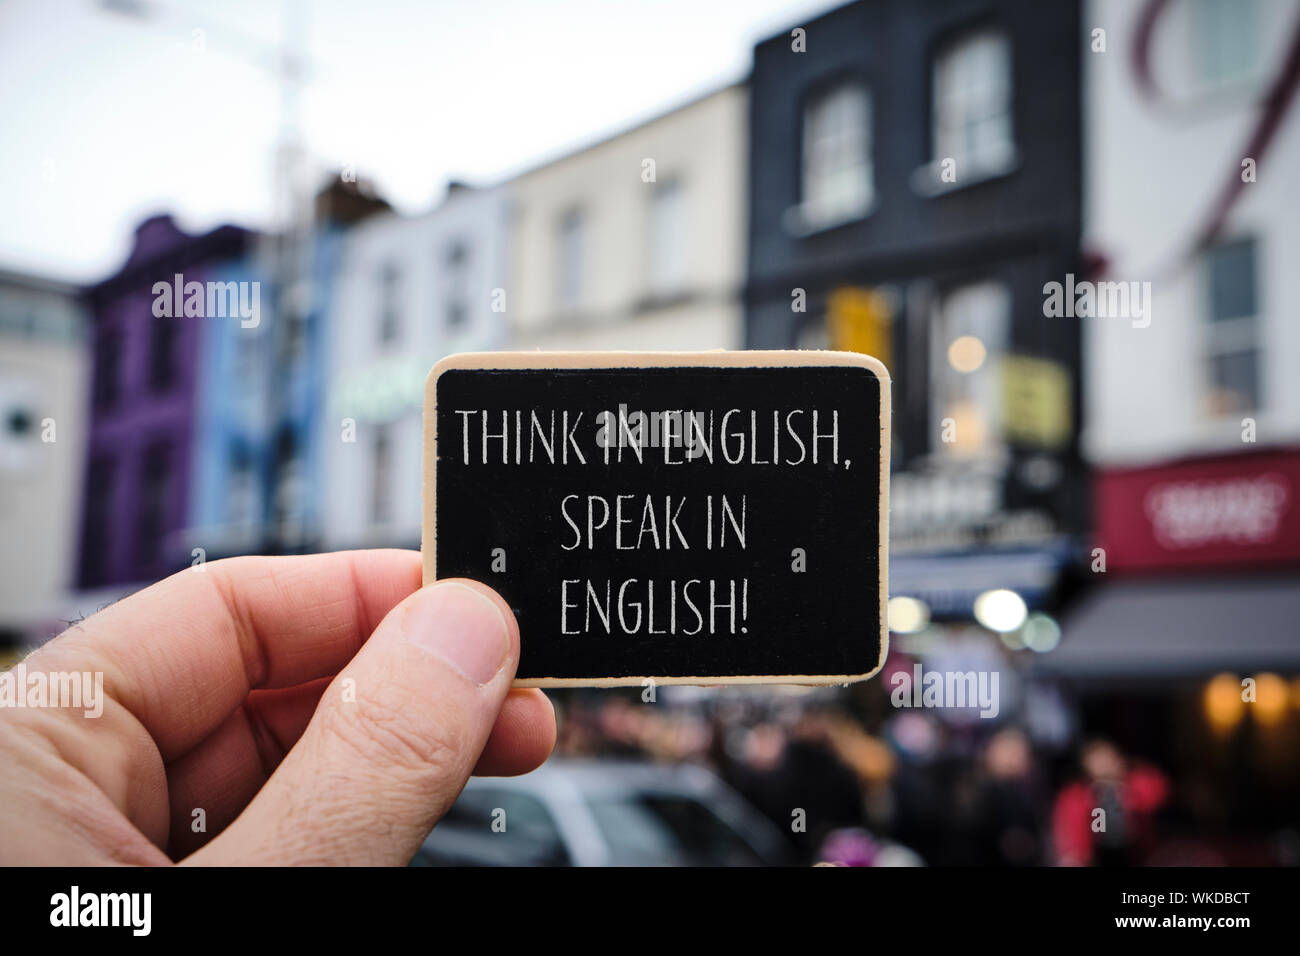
850, 781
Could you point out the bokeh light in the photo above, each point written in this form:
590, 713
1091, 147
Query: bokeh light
1000, 610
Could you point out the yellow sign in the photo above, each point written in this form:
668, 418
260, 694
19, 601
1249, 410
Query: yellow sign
1035, 401
860, 320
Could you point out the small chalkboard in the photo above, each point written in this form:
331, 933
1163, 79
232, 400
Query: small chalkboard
680, 517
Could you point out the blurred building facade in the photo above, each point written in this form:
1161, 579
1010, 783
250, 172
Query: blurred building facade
636, 242
913, 186
1184, 646
214, 436
407, 291
1186, 192
227, 499
42, 444
305, 264
145, 411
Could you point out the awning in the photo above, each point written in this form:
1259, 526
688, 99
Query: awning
1190, 626
950, 583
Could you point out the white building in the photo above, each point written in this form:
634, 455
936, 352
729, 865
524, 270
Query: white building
43, 404
1192, 406
408, 291
637, 242
1223, 341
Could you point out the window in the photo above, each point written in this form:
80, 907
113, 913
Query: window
294, 341
667, 237
248, 344
972, 104
162, 354
108, 361
456, 301
1225, 39
23, 404
95, 541
17, 430
1232, 329
570, 251
390, 280
837, 174
155, 486
241, 489
968, 340
296, 302
381, 476
290, 490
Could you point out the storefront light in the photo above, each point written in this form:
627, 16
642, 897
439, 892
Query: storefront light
1000, 610
1041, 633
966, 354
1223, 703
908, 615
1270, 699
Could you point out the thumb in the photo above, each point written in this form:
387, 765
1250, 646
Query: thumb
395, 737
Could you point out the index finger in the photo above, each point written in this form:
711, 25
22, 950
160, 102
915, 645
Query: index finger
182, 655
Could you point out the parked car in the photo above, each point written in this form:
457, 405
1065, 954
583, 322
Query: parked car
606, 813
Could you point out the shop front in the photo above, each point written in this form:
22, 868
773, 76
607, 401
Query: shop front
1185, 648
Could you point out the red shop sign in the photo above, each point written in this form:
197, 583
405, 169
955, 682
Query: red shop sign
1242, 509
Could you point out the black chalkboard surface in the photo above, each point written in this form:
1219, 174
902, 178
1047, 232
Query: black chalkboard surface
683, 517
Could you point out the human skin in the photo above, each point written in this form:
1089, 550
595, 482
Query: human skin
318, 710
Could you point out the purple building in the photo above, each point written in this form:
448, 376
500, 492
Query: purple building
143, 406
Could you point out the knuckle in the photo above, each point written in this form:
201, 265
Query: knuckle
393, 737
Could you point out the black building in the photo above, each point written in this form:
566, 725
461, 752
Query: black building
915, 181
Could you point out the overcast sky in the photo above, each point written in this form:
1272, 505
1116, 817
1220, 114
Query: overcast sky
106, 118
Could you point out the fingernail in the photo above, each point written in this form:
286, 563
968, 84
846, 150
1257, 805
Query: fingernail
463, 627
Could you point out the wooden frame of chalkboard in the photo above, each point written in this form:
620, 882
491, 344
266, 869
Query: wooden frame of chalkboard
788, 667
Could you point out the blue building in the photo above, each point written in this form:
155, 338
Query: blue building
254, 471
302, 366
232, 422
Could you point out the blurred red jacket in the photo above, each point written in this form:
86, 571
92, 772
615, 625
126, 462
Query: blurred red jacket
1142, 793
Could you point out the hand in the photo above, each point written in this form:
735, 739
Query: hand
316, 710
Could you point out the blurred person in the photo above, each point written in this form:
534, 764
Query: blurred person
798, 783
688, 738
577, 731
764, 747
1108, 818
323, 709
871, 760
921, 797
621, 726
1008, 819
